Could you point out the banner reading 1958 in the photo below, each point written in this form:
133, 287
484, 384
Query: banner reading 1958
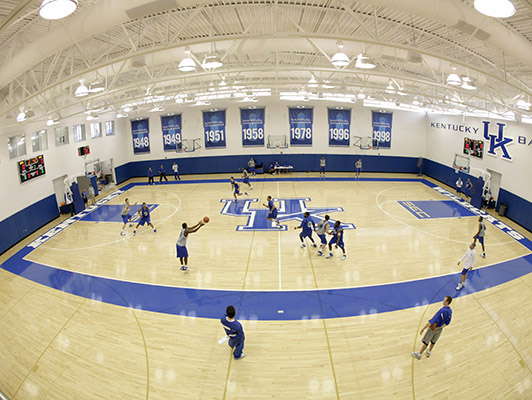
382, 129
171, 125
140, 130
300, 126
214, 128
252, 126
339, 127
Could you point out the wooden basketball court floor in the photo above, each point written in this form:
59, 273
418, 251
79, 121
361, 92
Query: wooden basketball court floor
90, 314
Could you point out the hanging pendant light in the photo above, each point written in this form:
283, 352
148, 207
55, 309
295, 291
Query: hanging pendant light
340, 59
495, 8
187, 64
81, 90
57, 9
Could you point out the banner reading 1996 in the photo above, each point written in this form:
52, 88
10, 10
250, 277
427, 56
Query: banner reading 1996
382, 129
171, 125
339, 127
252, 126
214, 128
140, 130
300, 126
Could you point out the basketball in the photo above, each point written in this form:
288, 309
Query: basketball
206, 219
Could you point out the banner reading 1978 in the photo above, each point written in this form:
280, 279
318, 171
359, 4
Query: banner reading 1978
382, 129
214, 128
140, 130
171, 125
252, 126
339, 127
300, 126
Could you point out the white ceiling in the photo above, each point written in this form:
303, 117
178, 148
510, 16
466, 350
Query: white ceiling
276, 45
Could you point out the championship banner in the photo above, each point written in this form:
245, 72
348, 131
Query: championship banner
300, 126
252, 126
382, 129
140, 130
339, 127
171, 126
214, 128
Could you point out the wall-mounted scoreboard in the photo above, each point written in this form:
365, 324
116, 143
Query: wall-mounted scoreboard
32, 168
474, 147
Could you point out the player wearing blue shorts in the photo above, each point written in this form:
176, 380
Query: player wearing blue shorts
144, 213
246, 178
323, 163
272, 215
181, 245
126, 216
480, 235
321, 230
236, 188
150, 176
337, 240
358, 166
251, 165
459, 185
468, 188
307, 226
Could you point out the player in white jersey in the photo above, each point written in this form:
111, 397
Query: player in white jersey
480, 235
181, 245
323, 164
469, 258
126, 216
358, 166
321, 230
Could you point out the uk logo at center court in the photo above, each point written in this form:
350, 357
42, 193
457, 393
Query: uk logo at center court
289, 210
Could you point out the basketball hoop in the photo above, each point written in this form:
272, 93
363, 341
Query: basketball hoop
277, 146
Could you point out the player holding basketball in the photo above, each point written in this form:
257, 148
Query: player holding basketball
246, 178
469, 258
358, 166
323, 163
251, 165
337, 240
236, 188
144, 213
235, 332
272, 216
321, 230
181, 245
308, 226
126, 216
480, 235
459, 185
440, 320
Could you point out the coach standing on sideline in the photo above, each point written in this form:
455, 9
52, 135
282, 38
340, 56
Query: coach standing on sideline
436, 324
234, 331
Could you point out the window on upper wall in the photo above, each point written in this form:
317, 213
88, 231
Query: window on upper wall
79, 133
96, 130
39, 140
109, 128
61, 136
16, 146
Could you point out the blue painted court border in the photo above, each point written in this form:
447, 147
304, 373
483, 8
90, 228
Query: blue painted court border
271, 305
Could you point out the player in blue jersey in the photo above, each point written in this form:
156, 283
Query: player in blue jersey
440, 320
468, 189
234, 331
307, 226
181, 245
126, 216
150, 177
162, 174
236, 188
321, 230
272, 215
246, 178
144, 213
337, 239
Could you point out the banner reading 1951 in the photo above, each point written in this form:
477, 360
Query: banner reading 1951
300, 126
214, 128
171, 125
252, 126
382, 129
339, 127
140, 130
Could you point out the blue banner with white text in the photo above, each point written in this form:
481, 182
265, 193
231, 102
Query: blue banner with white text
140, 130
171, 125
252, 126
214, 128
300, 126
382, 129
339, 127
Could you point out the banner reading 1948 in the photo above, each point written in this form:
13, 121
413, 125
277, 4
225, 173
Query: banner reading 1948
140, 130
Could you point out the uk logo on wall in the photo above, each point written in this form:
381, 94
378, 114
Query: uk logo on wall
289, 210
497, 141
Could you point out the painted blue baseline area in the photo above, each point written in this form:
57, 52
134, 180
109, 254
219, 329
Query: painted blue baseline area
270, 305
430, 209
111, 213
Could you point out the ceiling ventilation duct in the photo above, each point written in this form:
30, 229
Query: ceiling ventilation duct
152, 8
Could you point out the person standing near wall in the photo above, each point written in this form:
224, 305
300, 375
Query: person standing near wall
162, 174
175, 168
251, 165
69, 202
468, 188
358, 166
84, 197
92, 194
150, 177
459, 185
440, 320
235, 332
323, 163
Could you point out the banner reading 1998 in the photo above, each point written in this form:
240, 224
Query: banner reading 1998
140, 130
382, 129
171, 125
339, 127
252, 126
300, 126
214, 128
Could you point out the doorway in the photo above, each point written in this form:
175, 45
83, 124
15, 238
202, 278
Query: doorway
495, 183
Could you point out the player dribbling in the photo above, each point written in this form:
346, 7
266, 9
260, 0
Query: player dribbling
236, 188
321, 230
246, 178
307, 225
272, 215
337, 239
126, 216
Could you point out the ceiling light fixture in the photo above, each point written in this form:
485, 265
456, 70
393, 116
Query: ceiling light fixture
340, 59
211, 60
81, 90
523, 105
96, 87
52, 121
454, 79
495, 8
312, 82
121, 115
21, 116
468, 84
187, 64
57, 9
364, 62
390, 89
